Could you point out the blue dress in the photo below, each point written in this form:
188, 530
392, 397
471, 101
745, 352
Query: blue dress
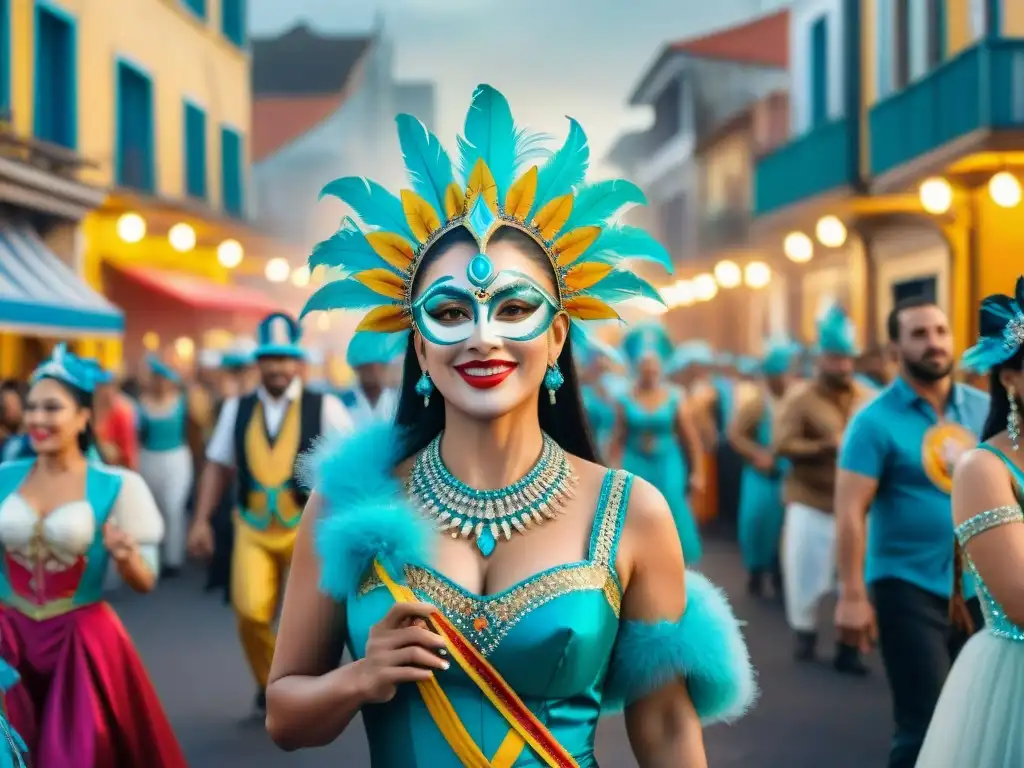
652, 451
761, 506
979, 720
601, 416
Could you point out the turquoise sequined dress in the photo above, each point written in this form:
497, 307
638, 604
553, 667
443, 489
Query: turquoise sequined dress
601, 417
652, 451
979, 720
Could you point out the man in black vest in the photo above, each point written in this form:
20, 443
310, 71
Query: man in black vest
258, 439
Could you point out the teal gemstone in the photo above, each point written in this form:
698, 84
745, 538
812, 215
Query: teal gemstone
485, 542
480, 270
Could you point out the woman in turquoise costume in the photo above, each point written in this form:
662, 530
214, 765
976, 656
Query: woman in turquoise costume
750, 434
497, 589
165, 458
979, 720
654, 436
593, 360
12, 746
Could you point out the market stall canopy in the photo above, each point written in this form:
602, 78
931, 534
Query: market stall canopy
41, 295
199, 293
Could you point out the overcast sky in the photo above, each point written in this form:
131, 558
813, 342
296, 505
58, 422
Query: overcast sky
550, 57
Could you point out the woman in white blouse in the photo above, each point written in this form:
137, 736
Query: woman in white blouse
84, 698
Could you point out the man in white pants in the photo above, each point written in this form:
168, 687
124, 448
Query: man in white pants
808, 430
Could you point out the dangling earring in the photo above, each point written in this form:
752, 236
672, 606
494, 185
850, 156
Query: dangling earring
425, 388
553, 380
1013, 419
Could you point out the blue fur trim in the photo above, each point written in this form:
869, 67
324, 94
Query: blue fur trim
705, 647
365, 513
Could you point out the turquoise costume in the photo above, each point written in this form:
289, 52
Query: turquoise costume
557, 637
12, 747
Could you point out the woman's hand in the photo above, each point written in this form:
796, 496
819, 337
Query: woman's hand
400, 649
119, 544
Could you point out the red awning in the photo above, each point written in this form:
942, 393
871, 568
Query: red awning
200, 293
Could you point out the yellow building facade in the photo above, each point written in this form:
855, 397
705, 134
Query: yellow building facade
909, 161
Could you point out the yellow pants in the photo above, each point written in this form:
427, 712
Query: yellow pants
259, 564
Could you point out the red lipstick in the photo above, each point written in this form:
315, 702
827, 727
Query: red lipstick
485, 374
38, 435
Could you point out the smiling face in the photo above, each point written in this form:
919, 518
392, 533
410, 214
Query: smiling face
53, 417
488, 326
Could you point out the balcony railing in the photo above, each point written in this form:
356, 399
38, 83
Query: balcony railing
981, 88
44, 155
822, 160
724, 229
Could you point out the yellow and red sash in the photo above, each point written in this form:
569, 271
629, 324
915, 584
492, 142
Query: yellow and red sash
525, 729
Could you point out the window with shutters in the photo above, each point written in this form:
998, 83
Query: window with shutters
231, 172
819, 72
198, 7
135, 161
55, 84
195, 151
233, 21
936, 37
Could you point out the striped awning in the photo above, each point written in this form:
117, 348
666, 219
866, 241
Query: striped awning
42, 296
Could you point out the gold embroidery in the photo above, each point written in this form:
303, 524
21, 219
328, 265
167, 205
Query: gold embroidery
485, 621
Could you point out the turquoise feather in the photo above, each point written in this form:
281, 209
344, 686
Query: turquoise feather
372, 203
427, 162
626, 242
489, 134
621, 285
596, 203
564, 170
346, 293
348, 250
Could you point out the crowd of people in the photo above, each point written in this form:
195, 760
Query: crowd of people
571, 480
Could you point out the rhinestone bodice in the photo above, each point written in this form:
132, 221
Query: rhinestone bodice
550, 636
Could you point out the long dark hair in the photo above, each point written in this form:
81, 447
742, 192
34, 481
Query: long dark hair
564, 420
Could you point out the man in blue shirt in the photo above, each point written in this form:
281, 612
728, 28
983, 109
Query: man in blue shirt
896, 461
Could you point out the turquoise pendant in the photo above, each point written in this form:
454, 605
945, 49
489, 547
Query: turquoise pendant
485, 542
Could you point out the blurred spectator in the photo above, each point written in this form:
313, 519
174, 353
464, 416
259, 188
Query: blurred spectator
115, 424
12, 403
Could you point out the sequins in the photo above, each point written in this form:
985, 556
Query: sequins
983, 521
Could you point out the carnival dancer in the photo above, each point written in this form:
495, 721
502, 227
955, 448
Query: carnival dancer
807, 432
114, 417
654, 436
490, 273
977, 720
166, 459
761, 506
594, 361
371, 358
84, 697
258, 437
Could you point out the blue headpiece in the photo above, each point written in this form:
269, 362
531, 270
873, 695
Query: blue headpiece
235, 359
779, 358
503, 177
368, 347
690, 353
279, 335
647, 338
748, 366
1002, 331
63, 366
159, 368
836, 333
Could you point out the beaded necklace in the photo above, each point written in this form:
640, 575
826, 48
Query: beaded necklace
487, 515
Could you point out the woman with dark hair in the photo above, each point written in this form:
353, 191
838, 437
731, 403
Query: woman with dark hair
84, 697
978, 718
497, 588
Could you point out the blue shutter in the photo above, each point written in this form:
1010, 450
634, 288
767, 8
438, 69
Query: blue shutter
993, 18
135, 129
5, 59
195, 151
819, 72
56, 113
884, 47
231, 171
233, 21
942, 27
198, 7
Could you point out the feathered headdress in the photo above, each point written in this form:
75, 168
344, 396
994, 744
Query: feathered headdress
1002, 331
836, 333
80, 373
647, 338
504, 177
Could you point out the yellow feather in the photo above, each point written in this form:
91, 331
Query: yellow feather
586, 275
454, 201
574, 244
481, 182
423, 219
383, 281
386, 319
394, 249
552, 217
521, 195
589, 308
